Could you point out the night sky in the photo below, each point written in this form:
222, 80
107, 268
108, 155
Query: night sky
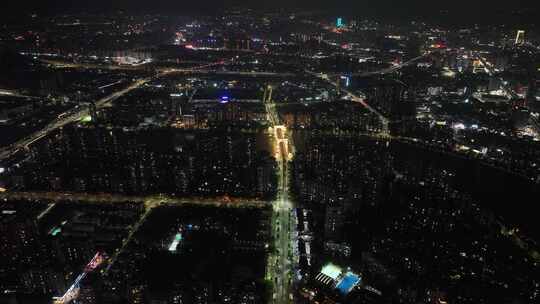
459, 10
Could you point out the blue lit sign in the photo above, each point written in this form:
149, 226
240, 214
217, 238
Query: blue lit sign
225, 99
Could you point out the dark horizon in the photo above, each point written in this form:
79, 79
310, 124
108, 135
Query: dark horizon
454, 12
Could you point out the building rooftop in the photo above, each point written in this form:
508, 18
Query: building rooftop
332, 271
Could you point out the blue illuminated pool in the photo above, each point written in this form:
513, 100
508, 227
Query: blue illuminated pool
349, 281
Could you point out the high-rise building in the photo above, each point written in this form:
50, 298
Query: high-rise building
334, 221
520, 37
238, 42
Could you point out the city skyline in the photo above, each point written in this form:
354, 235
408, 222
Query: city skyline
287, 153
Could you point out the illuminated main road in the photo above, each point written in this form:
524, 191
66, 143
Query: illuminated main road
280, 264
202, 69
65, 119
13, 93
393, 68
354, 98
149, 203
491, 71
71, 116
360, 100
